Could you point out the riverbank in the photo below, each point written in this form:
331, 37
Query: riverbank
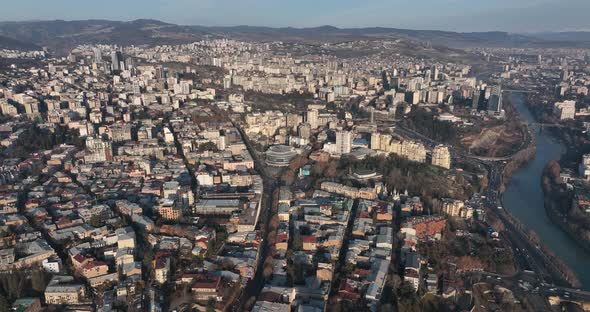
527, 148
554, 266
519, 160
571, 135
522, 198
555, 198
551, 264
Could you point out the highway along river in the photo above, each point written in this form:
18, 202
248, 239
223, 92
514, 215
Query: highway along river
524, 198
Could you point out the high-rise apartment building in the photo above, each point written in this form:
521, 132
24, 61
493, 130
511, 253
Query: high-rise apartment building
98, 150
565, 110
97, 55
495, 101
441, 157
313, 118
117, 60
343, 142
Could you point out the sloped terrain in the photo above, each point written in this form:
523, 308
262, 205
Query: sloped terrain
59, 34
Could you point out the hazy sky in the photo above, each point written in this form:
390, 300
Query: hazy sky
457, 15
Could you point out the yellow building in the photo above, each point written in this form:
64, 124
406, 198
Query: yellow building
441, 157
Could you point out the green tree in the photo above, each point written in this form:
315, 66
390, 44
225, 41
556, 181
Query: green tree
407, 299
297, 243
348, 268
95, 221
208, 146
148, 257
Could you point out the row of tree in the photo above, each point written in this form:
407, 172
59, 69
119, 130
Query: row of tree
21, 283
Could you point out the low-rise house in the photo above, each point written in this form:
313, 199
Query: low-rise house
206, 287
94, 269
412, 270
162, 269
63, 290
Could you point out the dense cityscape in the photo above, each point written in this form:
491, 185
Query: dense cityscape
232, 174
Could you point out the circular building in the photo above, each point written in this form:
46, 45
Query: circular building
280, 155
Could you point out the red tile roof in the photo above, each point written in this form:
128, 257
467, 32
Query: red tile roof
309, 239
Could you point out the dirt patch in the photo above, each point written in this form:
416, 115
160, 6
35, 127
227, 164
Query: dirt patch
496, 141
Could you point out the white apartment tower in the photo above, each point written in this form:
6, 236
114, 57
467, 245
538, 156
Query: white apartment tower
343, 142
441, 157
313, 118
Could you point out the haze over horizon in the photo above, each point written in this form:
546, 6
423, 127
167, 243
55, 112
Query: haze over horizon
452, 15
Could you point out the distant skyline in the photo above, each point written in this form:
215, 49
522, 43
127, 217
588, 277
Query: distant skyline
518, 16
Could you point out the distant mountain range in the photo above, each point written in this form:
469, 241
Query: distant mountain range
14, 44
62, 35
